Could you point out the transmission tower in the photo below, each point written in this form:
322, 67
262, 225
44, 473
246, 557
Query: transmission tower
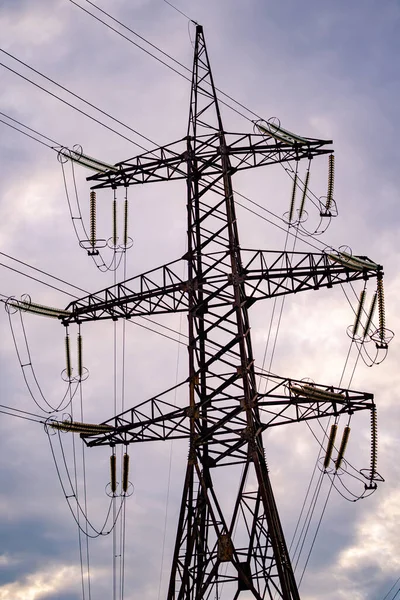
238, 542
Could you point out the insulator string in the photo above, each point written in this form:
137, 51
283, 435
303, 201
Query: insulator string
374, 443
292, 201
113, 472
331, 182
80, 362
359, 312
126, 206
68, 357
381, 308
330, 446
114, 235
343, 446
370, 315
304, 195
125, 473
93, 219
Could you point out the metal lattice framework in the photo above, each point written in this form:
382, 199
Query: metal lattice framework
241, 547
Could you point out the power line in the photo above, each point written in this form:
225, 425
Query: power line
30, 128
179, 11
159, 59
45, 273
82, 112
27, 134
393, 586
105, 113
38, 280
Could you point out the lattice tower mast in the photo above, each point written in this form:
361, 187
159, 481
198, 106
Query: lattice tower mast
243, 546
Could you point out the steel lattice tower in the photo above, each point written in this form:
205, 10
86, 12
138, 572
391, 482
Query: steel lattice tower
242, 546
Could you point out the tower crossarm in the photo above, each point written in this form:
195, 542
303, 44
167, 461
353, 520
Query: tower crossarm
160, 290
244, 150
265, 274
292, 401
226, 430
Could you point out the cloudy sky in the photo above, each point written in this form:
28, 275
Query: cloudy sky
326, 70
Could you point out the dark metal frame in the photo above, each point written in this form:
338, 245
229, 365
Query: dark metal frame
225, 415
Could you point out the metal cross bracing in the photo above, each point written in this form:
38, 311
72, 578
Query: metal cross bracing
236, 543
264, 274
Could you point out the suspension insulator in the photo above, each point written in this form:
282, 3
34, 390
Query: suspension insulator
374, 443
331, 182
311, 391
93, 218
291, 210
68, 357
359, 313
80, 364
343, 446
125, 473
113, 473
370, 315
126, 223
330, 445
39, 309
78, 427
381, 308
114, 236
304, 196
87, 161
354, 262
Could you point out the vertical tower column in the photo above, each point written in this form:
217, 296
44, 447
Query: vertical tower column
237, 543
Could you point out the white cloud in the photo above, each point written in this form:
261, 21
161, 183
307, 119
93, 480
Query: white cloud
40, 584
377, 542
280, 59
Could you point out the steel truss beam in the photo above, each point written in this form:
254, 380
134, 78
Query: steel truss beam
245, 151
159, 420
265, 274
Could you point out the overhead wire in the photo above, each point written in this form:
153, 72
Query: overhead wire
391, 589
77, 96
77, 510
122, 545
316, 532
179, 11
156, 57
79, 110
9, 410
23, 364
27, 134
97, 532
30, 129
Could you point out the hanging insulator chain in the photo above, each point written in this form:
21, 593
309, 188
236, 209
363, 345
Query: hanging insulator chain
304, 196
68, 357
113, 473
331, 182
291, 210
125, 473
381, 308
93, 218
331, 443
342, 449
359, 313
114, 238
370, 315
126, 222
80, 364
374, 443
